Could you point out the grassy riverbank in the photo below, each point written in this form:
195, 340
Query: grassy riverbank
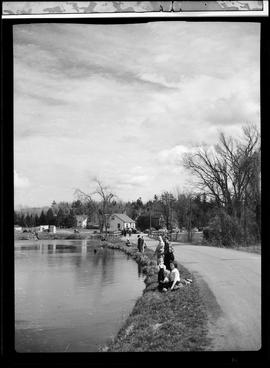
171, 321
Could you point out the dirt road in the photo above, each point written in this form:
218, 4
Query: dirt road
230, 282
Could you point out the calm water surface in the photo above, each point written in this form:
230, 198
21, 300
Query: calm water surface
69, 298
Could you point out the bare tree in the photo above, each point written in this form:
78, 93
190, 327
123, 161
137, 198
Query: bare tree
103, 204
230, 172
166, 204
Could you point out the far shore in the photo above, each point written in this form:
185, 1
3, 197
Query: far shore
91, 234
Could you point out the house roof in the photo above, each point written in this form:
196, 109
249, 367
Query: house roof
123, 217
81, 217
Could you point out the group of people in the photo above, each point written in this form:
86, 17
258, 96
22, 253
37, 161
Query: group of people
168, 274
140, 243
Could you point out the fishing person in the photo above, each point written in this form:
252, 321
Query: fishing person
159, 252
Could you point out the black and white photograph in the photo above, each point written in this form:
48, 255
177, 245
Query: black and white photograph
137, 184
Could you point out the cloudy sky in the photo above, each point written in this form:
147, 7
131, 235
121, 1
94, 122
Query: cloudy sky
124, 102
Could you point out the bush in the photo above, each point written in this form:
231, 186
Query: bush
223, 230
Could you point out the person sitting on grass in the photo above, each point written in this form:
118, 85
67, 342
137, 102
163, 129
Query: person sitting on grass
128, 243
174, 278
163, 274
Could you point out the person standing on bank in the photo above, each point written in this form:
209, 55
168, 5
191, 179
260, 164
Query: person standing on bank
142, 244
168, 254
159, 249
139, 242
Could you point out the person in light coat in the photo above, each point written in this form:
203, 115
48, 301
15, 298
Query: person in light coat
159, 252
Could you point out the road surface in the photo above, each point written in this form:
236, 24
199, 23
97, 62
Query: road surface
230, 284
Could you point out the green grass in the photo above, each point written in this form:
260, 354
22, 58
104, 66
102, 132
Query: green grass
171, 321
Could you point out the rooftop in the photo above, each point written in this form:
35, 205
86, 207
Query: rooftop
123, 217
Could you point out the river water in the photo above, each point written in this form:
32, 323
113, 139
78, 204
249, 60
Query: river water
69, 298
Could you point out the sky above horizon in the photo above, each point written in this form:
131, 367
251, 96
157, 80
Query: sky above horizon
124, 102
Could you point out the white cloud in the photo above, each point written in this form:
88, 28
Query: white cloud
20, 181
172, 156
124, 102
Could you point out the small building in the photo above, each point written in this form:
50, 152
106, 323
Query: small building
44, 228
81, 221
17, 228
120, 221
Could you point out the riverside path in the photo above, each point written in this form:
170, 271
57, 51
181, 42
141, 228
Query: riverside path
230, 284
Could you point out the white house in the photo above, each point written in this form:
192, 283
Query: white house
17, 228
44, 227
81, 221
120, 221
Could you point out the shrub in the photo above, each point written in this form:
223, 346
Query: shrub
223, 230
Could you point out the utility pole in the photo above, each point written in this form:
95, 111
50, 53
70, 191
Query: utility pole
150, 222
150, 219
189, 221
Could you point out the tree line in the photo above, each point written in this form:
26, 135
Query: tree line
62, 215
225, 200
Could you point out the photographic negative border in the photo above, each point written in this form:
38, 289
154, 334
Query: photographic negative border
111, 9
7, 200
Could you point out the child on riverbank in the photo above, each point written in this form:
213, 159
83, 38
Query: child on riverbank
175, 282
163, 274
174, 277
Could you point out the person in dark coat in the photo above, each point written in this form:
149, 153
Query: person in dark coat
142, 245
139, 242
168, 255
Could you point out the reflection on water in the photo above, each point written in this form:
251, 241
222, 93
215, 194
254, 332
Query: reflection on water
69, 298
140, 272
